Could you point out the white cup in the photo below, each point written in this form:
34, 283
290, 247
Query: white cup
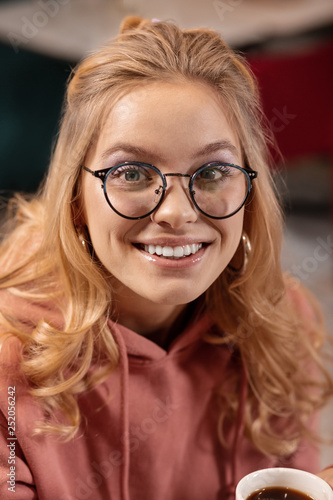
296, 479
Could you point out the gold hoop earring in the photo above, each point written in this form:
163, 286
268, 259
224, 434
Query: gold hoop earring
247, 249
82, 240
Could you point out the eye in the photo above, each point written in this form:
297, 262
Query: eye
214, 178
131, 177
131, 173
214, 173
210, 174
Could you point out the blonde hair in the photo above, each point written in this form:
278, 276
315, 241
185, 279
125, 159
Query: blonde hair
56, 268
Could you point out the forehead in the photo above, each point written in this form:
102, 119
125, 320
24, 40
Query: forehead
162, 114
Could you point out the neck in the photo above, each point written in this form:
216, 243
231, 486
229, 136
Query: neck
159, 323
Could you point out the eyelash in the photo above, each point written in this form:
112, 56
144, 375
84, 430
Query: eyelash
137, 168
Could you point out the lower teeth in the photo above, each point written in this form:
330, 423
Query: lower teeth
173, 257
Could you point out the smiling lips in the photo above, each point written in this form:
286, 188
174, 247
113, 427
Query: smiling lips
176, 252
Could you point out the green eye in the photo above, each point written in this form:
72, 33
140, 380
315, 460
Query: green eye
210, 174
131, 175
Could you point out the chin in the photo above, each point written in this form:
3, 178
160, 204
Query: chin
175, 297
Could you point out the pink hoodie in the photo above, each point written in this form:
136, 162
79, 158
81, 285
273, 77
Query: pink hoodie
148, 432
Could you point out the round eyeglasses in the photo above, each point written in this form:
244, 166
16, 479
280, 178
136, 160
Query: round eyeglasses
135, 190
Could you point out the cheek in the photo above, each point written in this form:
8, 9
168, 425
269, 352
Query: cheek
96, 211
231, 233
231, 230
107, 230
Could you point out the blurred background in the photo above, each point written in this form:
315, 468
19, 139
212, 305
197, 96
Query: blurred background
289, 45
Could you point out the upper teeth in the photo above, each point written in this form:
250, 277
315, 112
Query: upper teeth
175, 252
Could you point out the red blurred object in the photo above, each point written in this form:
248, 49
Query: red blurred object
297, 97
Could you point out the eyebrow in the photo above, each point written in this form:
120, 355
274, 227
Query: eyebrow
218, 146
223, 145
127, 148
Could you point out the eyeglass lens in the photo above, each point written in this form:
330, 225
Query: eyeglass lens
135, 190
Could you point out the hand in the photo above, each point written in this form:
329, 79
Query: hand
327, 475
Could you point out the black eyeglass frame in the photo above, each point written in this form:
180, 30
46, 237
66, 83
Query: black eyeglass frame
105, 172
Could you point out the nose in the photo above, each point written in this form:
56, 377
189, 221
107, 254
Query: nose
177, 207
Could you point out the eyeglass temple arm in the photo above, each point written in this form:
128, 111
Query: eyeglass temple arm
100, 174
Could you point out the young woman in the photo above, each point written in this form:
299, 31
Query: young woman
151, 345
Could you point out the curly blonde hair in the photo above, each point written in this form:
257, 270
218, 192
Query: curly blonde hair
271, 340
